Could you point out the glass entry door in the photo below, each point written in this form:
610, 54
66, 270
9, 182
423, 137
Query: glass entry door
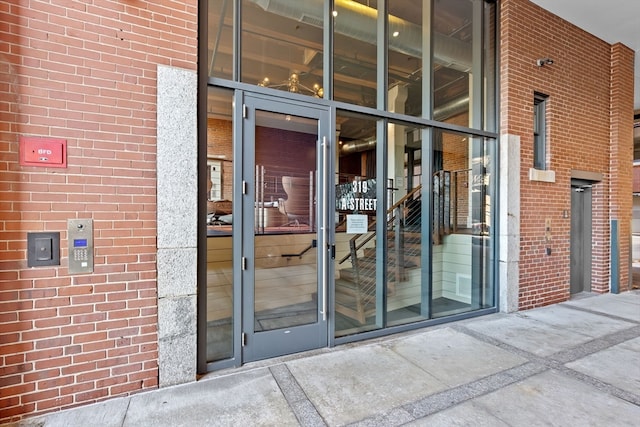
284, 227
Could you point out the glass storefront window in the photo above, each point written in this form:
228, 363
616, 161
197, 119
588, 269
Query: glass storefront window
452, 35
281, 50
462, 218
396, 262
405, 56
282, 47
355, 56
220, 42
357, 290
490, 68
219, 225
407, 288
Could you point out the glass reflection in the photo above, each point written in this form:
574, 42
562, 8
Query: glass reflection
281, 50
220, 42
461, 224
490, 67
357, 292
285, 257
405, 56
452, 60
354, 55
219, 226
407, 289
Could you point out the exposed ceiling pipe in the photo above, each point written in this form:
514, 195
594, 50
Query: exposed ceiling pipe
450, 109
359, 21
357, 145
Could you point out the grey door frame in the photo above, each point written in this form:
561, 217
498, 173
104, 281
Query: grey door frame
580, 238
262, 345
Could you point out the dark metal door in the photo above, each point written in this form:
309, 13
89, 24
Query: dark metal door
284, 223
580, 238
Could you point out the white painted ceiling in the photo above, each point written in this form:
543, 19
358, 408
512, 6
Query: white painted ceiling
611, 20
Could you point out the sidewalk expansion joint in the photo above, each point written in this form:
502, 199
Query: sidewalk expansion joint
595, 345
601, 385
302, 407
501, 344
600, 313
454, 396
437, 402
557, 361
535, 365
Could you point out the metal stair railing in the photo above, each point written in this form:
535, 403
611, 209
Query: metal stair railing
394, 215
398, 215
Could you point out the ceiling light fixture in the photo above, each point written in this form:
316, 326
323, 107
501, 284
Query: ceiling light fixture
293, 85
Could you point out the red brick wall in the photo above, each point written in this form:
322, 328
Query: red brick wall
84, 72
579, 132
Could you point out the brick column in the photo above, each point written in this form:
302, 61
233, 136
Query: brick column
621, 154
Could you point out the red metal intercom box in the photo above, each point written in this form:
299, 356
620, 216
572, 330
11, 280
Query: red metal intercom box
45, 152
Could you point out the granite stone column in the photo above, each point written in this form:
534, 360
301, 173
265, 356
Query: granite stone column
177, 207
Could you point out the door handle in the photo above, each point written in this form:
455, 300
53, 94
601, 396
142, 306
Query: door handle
325, 260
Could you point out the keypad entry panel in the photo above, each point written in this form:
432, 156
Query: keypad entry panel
80, 237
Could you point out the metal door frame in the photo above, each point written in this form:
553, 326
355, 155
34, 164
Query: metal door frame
262, 345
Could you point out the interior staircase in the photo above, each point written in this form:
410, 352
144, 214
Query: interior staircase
355, 287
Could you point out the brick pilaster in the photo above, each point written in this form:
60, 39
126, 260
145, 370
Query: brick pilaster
621, 154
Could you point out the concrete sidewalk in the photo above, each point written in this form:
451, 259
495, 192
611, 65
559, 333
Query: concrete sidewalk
570, 364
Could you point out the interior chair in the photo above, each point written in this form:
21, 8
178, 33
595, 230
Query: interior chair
297, 204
